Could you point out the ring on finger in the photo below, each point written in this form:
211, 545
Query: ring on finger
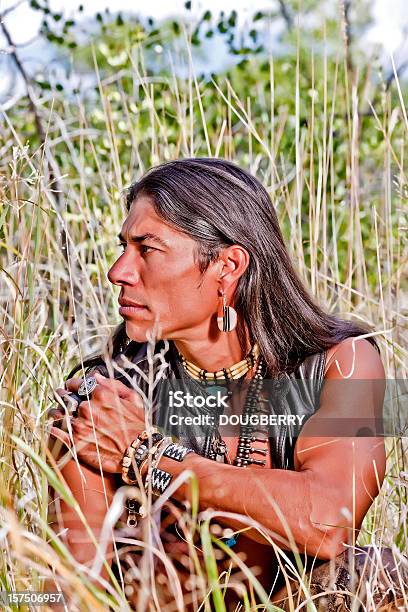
87, 386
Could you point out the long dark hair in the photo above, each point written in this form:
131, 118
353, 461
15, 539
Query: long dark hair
217, 203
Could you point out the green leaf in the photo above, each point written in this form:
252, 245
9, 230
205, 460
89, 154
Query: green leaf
233, 19
44, 85
211, 567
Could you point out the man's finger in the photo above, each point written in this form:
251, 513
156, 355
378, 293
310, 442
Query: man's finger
67, 404
73, 384
116, 386
55, 432
55, 413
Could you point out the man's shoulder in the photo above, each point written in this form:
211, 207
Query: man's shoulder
351, 352
353, 357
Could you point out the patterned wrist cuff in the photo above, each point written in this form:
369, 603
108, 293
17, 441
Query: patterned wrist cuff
177, 451
159, 480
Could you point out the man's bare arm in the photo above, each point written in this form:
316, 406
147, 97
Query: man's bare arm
94, 495
335, 479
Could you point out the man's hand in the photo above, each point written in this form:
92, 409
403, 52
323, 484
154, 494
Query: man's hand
106, 424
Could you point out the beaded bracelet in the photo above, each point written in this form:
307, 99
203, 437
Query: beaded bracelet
155, 464
154, 454
134, 507
138, 451
157, 478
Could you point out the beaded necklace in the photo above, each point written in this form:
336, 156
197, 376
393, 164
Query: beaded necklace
218, 449
234, 372
246, 436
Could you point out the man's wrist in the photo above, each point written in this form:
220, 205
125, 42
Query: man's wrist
155, 461
139, 453
191, 462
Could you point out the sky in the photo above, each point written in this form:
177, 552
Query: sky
390, 28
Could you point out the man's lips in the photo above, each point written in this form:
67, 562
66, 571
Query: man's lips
127, 307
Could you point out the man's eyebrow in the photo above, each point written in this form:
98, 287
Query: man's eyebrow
147, 236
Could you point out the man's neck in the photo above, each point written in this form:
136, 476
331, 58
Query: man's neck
212, 355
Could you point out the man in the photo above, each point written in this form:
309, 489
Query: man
201, 236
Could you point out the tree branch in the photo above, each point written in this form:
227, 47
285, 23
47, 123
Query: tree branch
10, 9
26, 79
285, 14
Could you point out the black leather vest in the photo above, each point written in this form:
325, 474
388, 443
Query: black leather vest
299, 395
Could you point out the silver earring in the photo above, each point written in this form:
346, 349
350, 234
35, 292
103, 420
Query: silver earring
227, 317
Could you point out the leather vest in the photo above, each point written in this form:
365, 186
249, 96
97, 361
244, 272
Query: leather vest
299, 395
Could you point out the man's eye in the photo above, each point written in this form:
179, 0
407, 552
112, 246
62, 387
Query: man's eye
145, 249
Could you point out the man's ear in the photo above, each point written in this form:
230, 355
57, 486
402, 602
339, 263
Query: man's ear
235, 261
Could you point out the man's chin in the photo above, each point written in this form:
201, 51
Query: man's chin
143, 333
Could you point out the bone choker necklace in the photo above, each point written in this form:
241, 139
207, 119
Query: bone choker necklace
234, 372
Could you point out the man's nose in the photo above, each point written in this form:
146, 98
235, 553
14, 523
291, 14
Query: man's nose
124, 271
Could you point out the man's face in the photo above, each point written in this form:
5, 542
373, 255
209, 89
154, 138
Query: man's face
158, 275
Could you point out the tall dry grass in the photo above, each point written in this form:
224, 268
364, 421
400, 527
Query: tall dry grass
344, 215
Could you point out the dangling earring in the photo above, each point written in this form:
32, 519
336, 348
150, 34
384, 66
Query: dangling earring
226, 316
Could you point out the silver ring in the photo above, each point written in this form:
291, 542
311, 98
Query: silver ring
87, 386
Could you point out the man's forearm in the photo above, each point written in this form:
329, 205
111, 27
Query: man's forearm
280, 500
